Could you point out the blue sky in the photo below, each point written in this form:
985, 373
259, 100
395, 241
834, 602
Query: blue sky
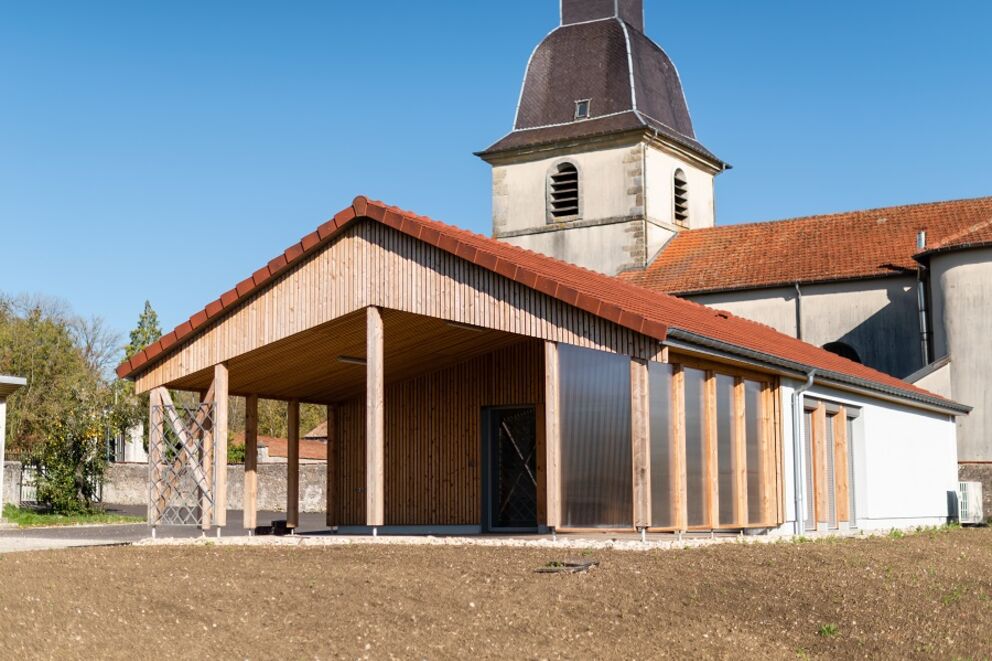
165, 150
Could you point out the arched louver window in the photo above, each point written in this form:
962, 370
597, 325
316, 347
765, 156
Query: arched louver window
564, 192
681, 198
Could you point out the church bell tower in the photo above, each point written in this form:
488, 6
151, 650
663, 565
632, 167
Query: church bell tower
602, 166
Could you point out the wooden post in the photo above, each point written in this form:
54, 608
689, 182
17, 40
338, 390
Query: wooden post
768, 458
552, 424
220, 443
841, 486
251, 462
375, 420
739, 454
711, 454
331, 468
293, 466
678, 483
820, 496
640, 437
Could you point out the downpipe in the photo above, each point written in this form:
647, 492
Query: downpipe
798, 455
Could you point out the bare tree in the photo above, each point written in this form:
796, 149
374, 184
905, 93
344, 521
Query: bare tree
100, 344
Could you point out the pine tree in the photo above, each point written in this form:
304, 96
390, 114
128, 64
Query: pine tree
146, 332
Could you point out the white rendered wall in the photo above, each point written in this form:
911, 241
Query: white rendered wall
3, 447
961, 293
659, 180
626, 204
520, 189
600, 248
878, 317
905, 461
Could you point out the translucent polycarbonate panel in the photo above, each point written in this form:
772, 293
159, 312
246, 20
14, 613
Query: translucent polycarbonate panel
596, 480
831, 481
695, 447
850, 471
808, 468
725, 446
753, 403
660, 385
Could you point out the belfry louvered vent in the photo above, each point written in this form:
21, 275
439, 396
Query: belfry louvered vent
565, 192
681, 199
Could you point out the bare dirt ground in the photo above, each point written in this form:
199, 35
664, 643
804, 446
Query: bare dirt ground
923, 596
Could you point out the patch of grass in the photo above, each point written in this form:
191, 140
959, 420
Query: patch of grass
953, 596
29, 518
896, 534
828, 631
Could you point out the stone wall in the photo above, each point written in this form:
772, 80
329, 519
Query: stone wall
12, 482
980, 473
127, 484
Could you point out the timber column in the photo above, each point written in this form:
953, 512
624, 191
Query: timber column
293, 467
375, 420
251, 463
220, 444
552, 439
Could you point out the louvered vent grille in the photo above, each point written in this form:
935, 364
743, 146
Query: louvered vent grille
681, 198
565, 192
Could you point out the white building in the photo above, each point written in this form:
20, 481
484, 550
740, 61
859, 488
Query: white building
8, 386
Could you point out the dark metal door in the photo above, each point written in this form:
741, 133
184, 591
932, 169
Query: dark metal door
512, 469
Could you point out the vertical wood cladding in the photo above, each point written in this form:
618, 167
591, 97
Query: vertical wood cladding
371, 264
433, 438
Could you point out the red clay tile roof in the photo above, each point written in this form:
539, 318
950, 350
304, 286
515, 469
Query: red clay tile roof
318, 432
845, 246
647, 312
279, 447
976, 236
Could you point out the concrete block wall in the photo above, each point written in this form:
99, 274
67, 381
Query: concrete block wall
12, 482
127, 484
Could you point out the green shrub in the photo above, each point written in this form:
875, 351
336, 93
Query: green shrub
235, 454
69, 465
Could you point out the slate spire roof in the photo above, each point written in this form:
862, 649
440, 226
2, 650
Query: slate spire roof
600, 54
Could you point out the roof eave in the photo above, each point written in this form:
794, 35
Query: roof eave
11, 384
704, 157
825, 377
783, 283
922, 257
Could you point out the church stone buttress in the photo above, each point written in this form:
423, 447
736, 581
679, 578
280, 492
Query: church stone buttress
602, 166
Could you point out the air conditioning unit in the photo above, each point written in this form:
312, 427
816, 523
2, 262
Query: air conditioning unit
971, 503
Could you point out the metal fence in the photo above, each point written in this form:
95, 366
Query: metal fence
181, 484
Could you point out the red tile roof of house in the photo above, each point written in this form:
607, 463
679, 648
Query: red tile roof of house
846, 246
647, 312
310, 450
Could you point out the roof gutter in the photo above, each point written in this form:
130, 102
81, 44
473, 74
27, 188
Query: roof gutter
678, 338
798, 456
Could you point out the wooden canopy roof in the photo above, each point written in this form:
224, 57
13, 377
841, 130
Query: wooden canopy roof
633, 309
